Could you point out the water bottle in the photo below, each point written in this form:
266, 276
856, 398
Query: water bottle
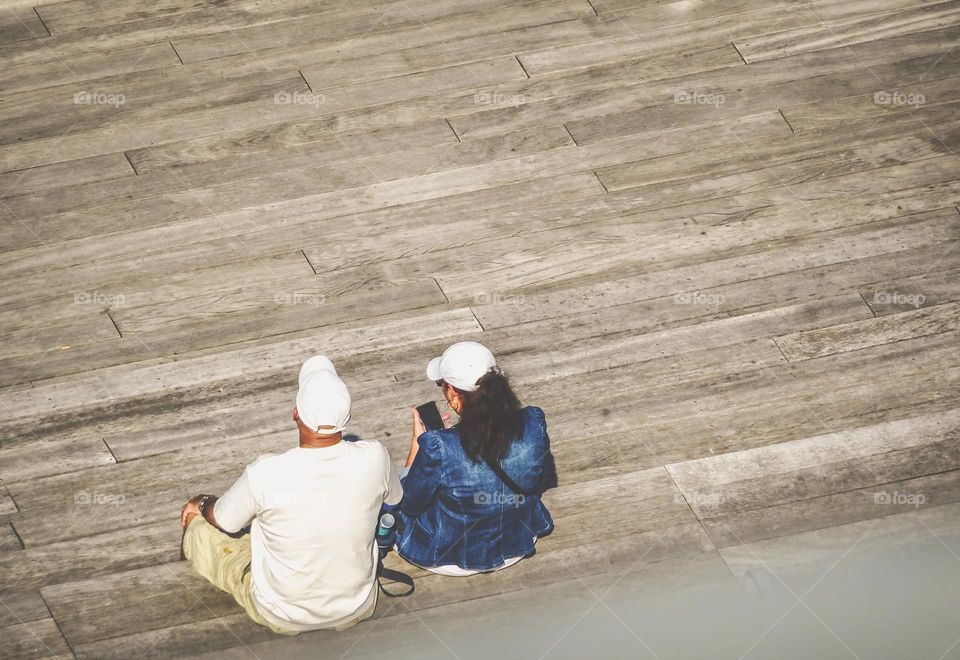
386, 534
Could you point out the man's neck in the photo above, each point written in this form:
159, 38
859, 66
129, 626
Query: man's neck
319, 442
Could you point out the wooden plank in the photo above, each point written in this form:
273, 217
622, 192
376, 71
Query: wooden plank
81, 317
240, 158
846, 31
789, 157
288, 304
87, 67
217, 196
91, 556
767, 476
844, 505
339, 24
543, 100
449, 40
738, 90
142, 97
20, 24
7, 505
74, 172
34, 456
475, 74
758, 407
792, 271
683, 23
910, 293
21, 605
200, 244
35, 639
906, 99
157, 597
9, 541
488, 273
812, 548
869, 332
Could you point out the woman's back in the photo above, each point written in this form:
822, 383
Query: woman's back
458, 511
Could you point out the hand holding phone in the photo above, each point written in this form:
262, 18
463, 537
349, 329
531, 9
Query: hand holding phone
430, 416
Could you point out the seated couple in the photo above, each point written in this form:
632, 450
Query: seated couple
468, 500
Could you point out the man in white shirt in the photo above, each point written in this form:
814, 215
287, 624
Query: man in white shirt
310, 560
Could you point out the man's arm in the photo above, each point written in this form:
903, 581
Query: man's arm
236, 508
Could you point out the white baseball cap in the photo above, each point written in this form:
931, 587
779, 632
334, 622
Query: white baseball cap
462, 365
323, 399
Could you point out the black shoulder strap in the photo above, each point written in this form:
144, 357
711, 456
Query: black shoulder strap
504, 477
396, 576
511, 484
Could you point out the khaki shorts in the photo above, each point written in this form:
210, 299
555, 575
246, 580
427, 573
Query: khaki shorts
225, 561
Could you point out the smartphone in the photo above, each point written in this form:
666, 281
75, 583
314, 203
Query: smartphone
430, 416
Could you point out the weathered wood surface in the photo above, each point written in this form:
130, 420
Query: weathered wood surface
720, 236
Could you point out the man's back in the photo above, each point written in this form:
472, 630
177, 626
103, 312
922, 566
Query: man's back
313, 552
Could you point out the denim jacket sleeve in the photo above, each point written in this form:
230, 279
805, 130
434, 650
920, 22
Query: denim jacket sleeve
548, 478
423, 480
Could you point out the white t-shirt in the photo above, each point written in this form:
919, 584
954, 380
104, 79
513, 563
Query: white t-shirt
315, 512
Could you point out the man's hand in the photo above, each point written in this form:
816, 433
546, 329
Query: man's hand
190, 510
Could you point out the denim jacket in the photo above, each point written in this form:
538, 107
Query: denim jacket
458, 511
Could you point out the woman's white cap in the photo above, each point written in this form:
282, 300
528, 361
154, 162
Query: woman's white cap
462, 365
323, 399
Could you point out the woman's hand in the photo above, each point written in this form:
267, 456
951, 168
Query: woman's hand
418, 429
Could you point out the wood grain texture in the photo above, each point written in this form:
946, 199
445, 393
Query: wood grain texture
874, 471
845, 31
872, 332
719, 234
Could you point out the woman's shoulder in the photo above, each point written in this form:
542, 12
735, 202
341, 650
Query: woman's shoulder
534, 415
535, 422
435, 438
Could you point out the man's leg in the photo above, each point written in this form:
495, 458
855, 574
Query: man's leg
225, 562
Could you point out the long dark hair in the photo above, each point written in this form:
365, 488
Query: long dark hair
490, 418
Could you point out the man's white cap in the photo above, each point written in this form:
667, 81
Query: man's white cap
462, 365
323, 399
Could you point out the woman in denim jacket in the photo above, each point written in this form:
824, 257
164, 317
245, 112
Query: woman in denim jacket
459, 517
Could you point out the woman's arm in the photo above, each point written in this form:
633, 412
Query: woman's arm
417, 430
423, 480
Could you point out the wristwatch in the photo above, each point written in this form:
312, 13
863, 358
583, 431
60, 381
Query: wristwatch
202, 504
